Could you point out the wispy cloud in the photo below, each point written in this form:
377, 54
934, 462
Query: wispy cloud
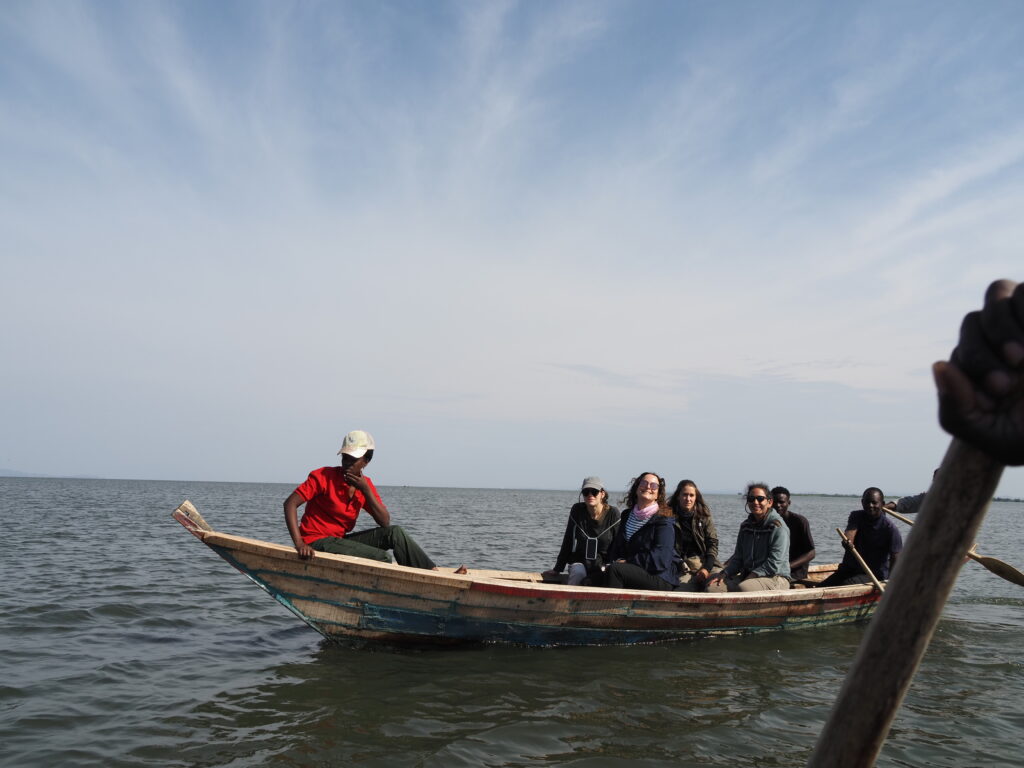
565, 214
937, 189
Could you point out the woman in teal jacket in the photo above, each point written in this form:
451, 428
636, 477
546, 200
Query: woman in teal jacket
761, 558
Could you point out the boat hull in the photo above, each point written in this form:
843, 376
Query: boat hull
354, 599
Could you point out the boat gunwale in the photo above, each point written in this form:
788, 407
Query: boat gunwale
520, 587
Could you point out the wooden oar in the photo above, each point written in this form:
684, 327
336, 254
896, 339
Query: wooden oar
903, 625
856, 554
998, 567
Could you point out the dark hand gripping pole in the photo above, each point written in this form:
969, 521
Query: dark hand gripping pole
981, 403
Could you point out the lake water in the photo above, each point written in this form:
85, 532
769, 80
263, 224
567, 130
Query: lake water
126, 642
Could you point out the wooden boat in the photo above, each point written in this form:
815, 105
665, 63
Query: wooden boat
353, 599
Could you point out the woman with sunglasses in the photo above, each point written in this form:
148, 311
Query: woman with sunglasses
588, 534
643, 553
696, 537
761, 559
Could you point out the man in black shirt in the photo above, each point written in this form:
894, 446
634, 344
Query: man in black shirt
801, 543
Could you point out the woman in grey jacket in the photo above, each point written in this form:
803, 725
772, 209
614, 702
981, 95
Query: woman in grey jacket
761, 558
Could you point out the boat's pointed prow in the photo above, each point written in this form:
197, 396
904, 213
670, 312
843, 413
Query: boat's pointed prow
189, 516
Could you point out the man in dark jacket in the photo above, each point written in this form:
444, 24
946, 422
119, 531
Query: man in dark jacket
875, 537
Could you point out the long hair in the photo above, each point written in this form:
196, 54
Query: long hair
631, 495
701, 510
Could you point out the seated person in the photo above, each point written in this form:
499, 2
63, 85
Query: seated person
334, 496
643, 552
909, 505
696, 536
588, 534
876, 538
801, 543
761, 558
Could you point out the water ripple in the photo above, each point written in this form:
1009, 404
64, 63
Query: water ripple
159, 654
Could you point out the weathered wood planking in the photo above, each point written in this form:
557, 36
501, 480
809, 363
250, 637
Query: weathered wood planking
352, 598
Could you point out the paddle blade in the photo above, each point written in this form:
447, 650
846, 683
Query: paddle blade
999, 568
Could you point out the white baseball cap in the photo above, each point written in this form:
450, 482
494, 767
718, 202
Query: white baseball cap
356, 444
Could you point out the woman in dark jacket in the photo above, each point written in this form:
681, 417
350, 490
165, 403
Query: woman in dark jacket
696, 536
588, 534
644, 550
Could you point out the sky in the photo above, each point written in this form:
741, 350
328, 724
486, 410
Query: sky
519, 243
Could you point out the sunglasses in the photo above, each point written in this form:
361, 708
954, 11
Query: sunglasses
591, 492
643, 485
758, 499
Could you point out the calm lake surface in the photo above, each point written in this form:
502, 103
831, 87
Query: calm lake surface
126, 642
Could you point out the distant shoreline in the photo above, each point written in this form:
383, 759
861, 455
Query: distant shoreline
10, 474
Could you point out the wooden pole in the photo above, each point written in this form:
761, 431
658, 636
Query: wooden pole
902, 627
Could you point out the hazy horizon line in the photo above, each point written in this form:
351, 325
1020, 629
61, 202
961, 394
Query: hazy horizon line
14, 474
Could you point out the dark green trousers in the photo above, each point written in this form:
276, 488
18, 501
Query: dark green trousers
373, 544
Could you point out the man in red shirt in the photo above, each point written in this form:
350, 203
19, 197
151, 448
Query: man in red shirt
334, 497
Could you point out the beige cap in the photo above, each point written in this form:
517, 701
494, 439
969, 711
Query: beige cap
356, 444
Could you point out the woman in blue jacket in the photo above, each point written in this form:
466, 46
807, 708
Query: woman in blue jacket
643, 553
